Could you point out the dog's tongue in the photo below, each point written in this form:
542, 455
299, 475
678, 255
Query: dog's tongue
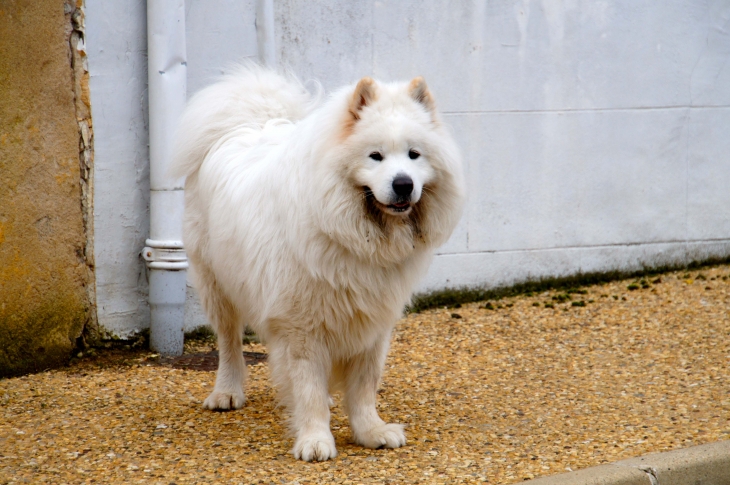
402, 204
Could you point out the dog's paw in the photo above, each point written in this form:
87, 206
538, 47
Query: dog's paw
224, 401
382, 436
318, 446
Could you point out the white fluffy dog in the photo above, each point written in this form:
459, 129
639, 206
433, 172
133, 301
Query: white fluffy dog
311, 225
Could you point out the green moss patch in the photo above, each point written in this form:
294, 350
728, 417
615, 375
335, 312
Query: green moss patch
568, 284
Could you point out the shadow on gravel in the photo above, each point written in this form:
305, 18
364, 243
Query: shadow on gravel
206, 361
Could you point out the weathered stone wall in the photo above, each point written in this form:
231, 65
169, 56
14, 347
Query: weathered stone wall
44, 273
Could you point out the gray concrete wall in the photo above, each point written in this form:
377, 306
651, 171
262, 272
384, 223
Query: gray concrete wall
116, 43
219, 32
594, 133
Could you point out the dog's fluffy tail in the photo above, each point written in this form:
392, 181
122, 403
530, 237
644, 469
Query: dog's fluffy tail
248, 97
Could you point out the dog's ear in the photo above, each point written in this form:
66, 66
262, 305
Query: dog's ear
364, 95
420, 93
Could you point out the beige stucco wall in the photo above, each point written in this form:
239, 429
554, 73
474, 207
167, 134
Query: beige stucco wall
44, 273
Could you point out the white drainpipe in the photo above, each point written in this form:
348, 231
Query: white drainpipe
165, 256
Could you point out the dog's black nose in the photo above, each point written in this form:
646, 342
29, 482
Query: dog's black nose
402, 185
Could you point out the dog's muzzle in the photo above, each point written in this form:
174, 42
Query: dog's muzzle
402, 188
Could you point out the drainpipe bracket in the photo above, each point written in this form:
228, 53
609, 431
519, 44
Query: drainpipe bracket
166, 255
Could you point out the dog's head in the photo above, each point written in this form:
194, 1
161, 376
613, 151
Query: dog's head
401, 166
390, 127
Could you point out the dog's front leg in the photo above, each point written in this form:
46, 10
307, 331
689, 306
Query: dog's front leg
362, 379
309, 407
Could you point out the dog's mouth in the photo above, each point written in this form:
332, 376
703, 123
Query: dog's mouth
396, 208
400, 207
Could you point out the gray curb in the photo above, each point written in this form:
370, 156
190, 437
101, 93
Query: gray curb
700, 465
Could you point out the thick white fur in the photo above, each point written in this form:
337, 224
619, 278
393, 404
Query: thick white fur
283, 238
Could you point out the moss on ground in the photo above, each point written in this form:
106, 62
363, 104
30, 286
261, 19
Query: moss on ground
458, 296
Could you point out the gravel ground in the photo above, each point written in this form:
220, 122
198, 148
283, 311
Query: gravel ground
488, 396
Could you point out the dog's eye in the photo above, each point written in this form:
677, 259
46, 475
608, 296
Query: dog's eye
413, 154
377, 156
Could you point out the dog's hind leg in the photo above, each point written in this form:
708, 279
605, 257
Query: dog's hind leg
362, 377
231, 377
